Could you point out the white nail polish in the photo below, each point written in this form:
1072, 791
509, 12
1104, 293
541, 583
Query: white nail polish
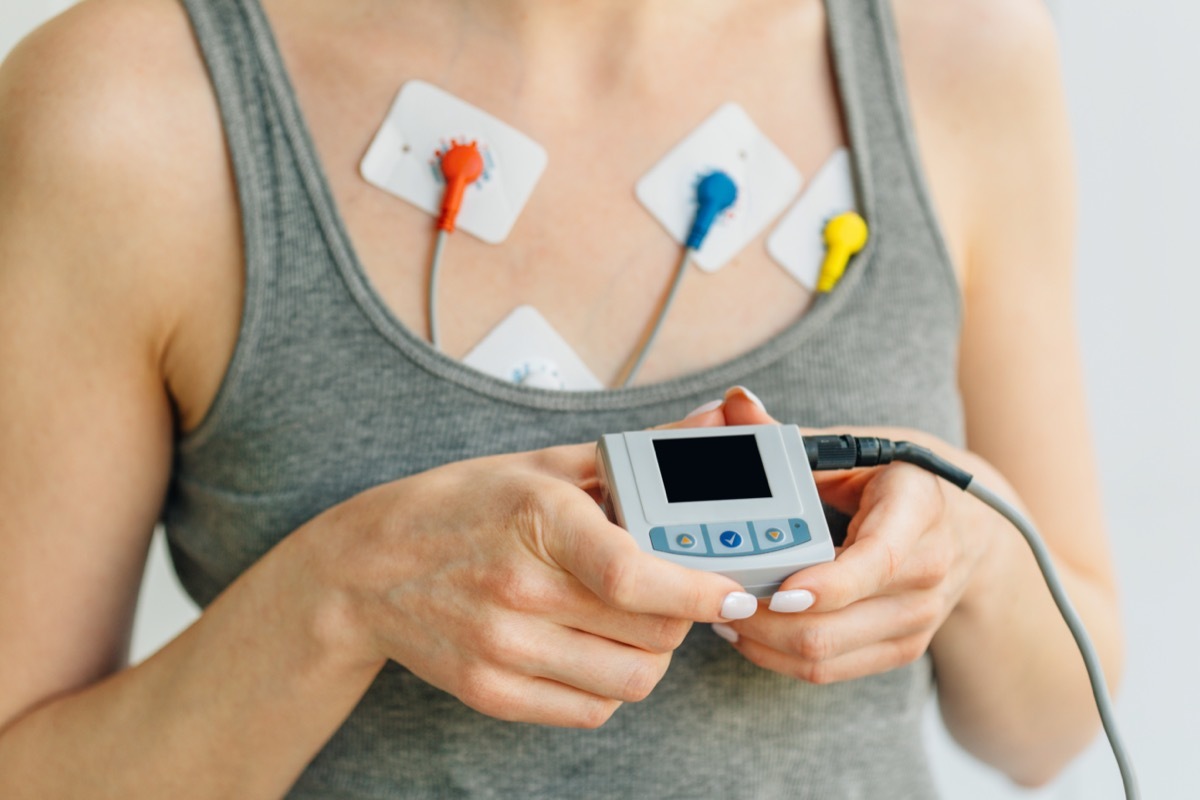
725, 632
751, 396
793, 601
712, 405
739, 605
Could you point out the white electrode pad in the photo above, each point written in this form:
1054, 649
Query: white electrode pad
727, 141
739, 501
403, 159
526, 350
798, 243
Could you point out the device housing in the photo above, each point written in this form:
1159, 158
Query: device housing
738, 500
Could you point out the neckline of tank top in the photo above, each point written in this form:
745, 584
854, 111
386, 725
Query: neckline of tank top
423, 355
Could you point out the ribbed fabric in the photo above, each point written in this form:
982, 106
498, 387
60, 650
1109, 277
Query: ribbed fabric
328, 394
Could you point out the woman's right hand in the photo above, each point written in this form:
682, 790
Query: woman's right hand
501, 581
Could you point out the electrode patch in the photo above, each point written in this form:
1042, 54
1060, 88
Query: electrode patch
728, 141
422, 123
525, 349
798, 243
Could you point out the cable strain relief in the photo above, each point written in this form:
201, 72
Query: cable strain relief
926, 459
706, 215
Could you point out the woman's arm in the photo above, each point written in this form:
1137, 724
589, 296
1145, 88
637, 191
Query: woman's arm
927, 566
114, 198
97, 224
1011, 685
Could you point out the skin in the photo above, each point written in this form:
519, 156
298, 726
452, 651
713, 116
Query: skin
120, 296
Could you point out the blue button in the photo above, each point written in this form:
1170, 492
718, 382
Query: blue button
731, 539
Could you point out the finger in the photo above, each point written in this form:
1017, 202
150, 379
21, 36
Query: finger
898, 507
743, 407
739, 406
600, 666
574, 463
871, 660
708, 415
649, 632
605, 559
823, 637
560, 598
514, 698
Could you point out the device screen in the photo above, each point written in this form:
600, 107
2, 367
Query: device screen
711, 468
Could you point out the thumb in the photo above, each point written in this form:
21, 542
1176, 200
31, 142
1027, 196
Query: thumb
742, 407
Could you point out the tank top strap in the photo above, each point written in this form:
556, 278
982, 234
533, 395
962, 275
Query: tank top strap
232, 52
888, 172
286, 206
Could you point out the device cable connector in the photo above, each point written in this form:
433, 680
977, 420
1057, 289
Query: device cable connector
827, 452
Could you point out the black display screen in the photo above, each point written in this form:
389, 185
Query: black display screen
711, 468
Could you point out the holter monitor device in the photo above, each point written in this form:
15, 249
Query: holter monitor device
739, 501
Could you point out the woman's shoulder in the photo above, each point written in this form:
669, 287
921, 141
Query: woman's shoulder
984, 87
980, 37
114, 178
102, 79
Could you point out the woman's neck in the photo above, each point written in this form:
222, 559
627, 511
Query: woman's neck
596, 46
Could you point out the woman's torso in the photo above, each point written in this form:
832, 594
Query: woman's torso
329, 391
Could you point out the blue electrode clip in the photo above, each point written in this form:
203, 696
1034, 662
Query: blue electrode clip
715, 193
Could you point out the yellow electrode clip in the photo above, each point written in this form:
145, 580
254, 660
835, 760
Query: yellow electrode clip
845, 235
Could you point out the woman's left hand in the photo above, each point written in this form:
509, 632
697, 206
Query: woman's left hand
913, 545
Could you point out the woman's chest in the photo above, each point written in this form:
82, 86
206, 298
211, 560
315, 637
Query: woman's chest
583, 251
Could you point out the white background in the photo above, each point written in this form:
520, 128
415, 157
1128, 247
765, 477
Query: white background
1131, 73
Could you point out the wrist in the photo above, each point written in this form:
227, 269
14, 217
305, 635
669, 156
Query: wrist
330, 605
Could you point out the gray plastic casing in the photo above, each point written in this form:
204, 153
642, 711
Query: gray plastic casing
636, 498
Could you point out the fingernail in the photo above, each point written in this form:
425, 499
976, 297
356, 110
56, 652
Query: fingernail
725, 632
712, 405
751, 396
739, 605
793, 601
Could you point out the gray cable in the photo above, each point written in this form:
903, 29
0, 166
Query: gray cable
635, 363
1091, 659
434, 269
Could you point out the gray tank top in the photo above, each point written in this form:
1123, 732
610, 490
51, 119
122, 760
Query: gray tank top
328, 394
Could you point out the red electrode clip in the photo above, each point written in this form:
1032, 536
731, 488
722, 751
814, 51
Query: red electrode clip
462, 164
